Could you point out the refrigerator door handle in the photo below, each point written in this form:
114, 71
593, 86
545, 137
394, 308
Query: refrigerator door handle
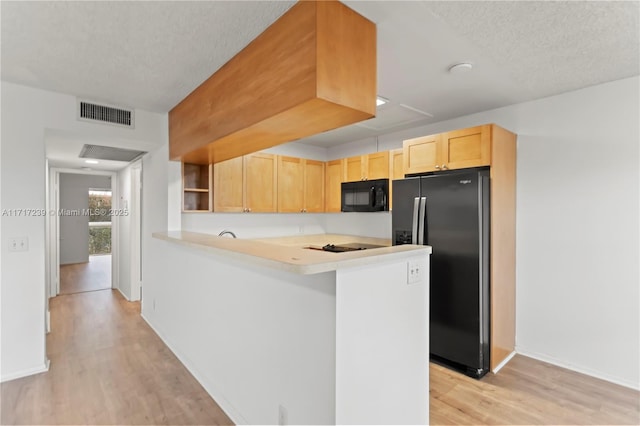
414, 227
422, 219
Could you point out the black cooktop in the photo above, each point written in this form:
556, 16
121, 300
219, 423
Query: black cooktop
348, 247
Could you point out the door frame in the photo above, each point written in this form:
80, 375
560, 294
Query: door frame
135, 210
52, 235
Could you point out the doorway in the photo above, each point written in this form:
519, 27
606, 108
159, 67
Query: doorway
85, 233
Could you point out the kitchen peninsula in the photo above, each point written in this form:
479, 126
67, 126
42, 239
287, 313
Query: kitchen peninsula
281, 333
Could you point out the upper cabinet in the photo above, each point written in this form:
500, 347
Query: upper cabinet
466, 148
396, 170
334, 173
246, 184
196, 196
314, 186
367, 167
228, 185
260, 183
377, 165
300, 185
458, 149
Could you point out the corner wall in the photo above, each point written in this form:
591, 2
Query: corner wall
577, 245
27, 114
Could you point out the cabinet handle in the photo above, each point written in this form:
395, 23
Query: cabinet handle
305, 210
437, 167
249, 210
444, 167
301, 210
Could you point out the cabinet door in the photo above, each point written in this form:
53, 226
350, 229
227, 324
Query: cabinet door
228, 186
260, 182
353, 169
422, 154
333, 187
378, 165
467, 147
290, 184
396, 170
314, 186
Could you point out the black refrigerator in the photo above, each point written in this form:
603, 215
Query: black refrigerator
449, 211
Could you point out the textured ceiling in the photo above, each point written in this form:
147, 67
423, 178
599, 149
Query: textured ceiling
140, 54
150, 55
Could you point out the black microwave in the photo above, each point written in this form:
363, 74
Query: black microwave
365, 196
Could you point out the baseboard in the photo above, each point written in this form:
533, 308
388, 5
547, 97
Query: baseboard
24, 373
504, 362
577, 369
222, 402
125, 296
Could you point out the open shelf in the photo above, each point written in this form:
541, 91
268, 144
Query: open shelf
196, 181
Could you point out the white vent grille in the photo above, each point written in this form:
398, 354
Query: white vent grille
105, 114
109, 153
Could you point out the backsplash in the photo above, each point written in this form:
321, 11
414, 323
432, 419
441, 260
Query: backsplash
265, 225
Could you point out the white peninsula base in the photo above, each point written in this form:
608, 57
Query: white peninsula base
347, 345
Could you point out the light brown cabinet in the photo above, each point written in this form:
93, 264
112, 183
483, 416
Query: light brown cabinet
196, 196
334, 173
300, 185
246, 184
260, 183
487, 145
228, 185
314, 186
396, 170
457, 149
367, 167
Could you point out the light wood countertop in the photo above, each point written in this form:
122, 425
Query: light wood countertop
289, 254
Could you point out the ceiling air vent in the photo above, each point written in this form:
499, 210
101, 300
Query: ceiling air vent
105, 114
109, 153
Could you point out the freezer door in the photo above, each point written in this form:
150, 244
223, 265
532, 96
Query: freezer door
406, 206
454, 229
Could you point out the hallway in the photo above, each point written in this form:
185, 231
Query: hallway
107, 367
90, 276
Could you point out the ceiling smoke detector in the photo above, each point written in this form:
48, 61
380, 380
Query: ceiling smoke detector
461, 68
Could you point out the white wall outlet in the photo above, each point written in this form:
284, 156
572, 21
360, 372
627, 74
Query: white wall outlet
414, 272
19, 244
282, 415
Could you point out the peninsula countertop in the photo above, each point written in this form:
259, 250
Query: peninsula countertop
290, 253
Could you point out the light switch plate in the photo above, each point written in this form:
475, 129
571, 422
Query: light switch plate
19, 244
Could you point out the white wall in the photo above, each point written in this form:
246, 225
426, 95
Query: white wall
577, 224
74, 230
26, 115
255, 338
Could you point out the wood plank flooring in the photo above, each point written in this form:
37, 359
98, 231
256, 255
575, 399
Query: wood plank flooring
529, 392
109, 367
90, 276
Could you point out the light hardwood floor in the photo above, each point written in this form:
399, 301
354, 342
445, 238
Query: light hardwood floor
108, 367
90, 276
528, 392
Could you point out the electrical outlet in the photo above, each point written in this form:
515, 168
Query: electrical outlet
282, 415
19, 244
414, 272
